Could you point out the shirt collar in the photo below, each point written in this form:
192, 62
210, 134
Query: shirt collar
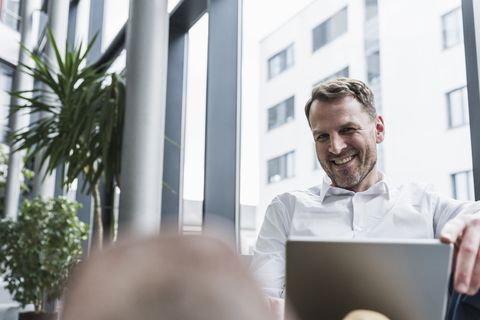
381, 187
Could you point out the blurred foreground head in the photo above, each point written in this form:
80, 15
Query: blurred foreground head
189, 277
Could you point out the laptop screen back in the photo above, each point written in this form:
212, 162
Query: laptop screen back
403, 279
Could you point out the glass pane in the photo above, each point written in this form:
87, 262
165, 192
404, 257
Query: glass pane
115, 16
465, 105
462, 186
320, 37
11, 13
373, 66
339, 23
6, 76
275, 65
272, 117
290, 110
455, 99
274, 173
452, 26
194, 163
289, 57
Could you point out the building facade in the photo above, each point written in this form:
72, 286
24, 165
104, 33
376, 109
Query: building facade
412, 56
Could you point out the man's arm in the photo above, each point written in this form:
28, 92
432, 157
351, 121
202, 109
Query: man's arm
464, 232
268, 264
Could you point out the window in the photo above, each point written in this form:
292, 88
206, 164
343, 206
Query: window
280, 62
373, 66
6, 76
10, 13
463, 186
281, 167
281, 113
452, 28
371, 9
458, 107
329, 30
340, 74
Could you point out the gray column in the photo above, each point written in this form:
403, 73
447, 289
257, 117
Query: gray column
222, 153
21, 82
58, 21
143, 135
174, 130
471, 31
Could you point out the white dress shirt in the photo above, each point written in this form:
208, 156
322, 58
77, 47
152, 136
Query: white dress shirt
411, 211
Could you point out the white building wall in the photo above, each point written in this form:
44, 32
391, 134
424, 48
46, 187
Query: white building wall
416, 74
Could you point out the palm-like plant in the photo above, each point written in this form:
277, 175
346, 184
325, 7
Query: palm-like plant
80, 124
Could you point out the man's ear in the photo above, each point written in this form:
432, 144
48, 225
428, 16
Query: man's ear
379, 129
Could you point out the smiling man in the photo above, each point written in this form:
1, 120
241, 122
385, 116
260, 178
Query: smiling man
354, 199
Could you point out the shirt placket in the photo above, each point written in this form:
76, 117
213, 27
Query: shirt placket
358, 208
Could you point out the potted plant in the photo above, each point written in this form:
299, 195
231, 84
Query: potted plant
38, 250
81, 125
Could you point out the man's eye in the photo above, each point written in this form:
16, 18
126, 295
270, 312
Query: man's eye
322, 137
347, 129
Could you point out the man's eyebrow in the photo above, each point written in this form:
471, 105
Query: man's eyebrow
316, 132
349, 124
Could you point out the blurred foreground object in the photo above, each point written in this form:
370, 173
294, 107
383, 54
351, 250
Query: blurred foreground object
178, 277
365, 315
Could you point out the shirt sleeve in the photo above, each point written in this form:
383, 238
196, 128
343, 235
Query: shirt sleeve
268, 263
446, 208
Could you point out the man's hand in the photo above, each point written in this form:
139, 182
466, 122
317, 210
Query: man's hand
464, 233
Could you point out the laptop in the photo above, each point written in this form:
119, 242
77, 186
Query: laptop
402, 279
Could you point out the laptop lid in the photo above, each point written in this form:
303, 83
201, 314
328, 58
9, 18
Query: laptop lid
403, 279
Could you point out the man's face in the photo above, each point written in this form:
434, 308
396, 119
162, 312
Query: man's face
345, 140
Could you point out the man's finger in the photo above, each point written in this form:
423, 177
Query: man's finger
452, 231
475, 281
467, 256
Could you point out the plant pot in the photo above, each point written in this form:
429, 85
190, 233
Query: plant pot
38, 316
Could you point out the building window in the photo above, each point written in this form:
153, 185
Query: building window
458, 107
10, 13
463, 186
452, 28
281, 113
329, 30
280, 62
339, 74
281, 167
371, 9
373, 66
6, 76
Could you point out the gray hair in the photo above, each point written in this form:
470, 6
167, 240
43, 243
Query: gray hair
337, 89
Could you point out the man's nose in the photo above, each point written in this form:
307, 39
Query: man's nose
337, 144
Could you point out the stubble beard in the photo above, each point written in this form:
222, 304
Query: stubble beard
349, 178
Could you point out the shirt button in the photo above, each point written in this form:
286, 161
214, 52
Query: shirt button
357, 228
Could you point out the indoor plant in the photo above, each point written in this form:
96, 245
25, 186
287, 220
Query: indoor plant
38, 250
81, 122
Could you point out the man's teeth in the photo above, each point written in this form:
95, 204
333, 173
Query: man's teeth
343, 160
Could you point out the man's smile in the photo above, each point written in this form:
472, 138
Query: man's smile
344, 160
